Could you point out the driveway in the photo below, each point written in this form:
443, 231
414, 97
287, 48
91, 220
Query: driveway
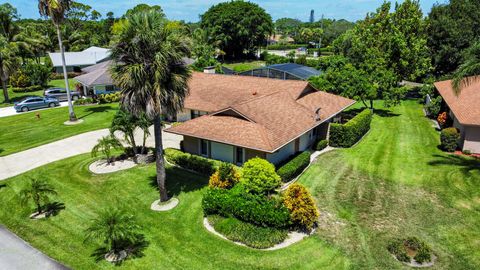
9, 111
16, 254
24, 161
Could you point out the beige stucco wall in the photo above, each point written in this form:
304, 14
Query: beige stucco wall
282, 153
250, 153
191, 145
472, 139
223, 152
184, 115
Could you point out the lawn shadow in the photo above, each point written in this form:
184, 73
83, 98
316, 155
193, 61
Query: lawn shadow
385, 113
54, 208
96, 109
134, 249
3, 186
467, 165
179, 180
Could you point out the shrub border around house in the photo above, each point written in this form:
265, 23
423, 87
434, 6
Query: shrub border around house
27, 89
346, 135
294, 167
191, 162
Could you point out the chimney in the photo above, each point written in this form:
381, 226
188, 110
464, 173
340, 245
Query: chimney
317, 114
209, 70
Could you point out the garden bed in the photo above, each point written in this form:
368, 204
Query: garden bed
412, 252
103, 167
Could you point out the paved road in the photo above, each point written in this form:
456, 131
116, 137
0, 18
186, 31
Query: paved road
16, 254
9, 111
21, 162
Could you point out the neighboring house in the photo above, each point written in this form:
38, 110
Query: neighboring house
277, 38
96, 80
287, 71
235, 118
464, 109
75, 61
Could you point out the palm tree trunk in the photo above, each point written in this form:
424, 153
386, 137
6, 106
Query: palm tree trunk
134, 144
39, 208
5, 91
160, 162
71, 113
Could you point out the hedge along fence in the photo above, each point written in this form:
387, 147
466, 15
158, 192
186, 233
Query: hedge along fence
274, 47
346, 135
27, 89
294, 167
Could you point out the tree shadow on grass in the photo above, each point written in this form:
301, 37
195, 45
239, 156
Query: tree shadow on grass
179, 180
385, 113
54, 208
134, 249
467, 165
96, 109
3, 186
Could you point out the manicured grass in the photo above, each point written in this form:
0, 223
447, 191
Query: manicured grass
244, 66
176, 239
23, 131
15, 97
396, 183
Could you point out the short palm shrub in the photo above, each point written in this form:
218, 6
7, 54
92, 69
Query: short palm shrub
449, 138
106, 145
408, 249
346, 135
294, 167
226, 176
302, 207
259, 176
322, 144
191, 162
38, 192
116, 229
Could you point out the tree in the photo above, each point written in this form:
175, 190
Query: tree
8, 14
37, 191
55, 9
126, 123
105, 145
144, 124
143, 8
149, 69
469, 71
8, 63
238, 27
114, 228
259, 176
287, 26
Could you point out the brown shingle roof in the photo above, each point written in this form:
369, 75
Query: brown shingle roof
466, 105
266, 121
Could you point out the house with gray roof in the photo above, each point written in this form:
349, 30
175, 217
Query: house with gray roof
286, 71
75, 61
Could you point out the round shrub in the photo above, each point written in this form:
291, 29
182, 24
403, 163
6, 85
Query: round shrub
420, 251
259, 176
321, 145
226, 176
449, 139
302, 207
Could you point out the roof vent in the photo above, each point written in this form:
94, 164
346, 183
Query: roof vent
317, 114
254, 93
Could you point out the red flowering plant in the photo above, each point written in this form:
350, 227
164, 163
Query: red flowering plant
442, 119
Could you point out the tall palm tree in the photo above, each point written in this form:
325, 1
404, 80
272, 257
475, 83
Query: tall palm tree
469, 71
8, 63
55, 9
150, 71
37, 191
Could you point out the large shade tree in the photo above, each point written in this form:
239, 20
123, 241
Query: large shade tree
8, 63
151, 73
469, 71
238, 27
56, 9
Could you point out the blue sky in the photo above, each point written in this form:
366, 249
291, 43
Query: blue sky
189, 10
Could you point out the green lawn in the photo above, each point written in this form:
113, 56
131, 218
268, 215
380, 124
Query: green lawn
244, 66
23, 131
394, 183
14, 97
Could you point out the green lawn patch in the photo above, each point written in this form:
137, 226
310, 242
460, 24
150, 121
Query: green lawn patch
247, 233
244, 66
24, 131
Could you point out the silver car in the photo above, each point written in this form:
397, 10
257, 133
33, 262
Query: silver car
31, 103
60, 93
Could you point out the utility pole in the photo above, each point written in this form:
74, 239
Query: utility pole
320, 41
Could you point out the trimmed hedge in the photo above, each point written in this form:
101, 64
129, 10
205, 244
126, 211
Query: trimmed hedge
190, 162
321, 145
449, 139
285, 46
346, 135
84, 101
59, 76
237, 202
27, 89
294, 167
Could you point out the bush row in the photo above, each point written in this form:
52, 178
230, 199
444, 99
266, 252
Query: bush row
84, 101
253, 208
346, 135
322, 144
449, 139
190, 162
285, 46
27, 89
59, 76
109, 98
294, 167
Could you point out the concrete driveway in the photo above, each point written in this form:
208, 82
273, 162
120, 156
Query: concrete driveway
9, 111
16, 254
24, 161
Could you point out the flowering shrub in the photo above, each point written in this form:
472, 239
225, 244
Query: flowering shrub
300, 203
226, 176
442, 119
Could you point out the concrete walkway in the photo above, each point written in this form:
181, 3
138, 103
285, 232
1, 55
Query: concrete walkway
9, 111
21, 162
16, 254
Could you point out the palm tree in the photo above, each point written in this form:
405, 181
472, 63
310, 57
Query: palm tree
152, 75
468, 72
55, 9
115, 228
37, 191
126, 123
8, 63
105, 145
144, 124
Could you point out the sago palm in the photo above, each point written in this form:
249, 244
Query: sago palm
37, 191
469, 71
55, 9
150, 71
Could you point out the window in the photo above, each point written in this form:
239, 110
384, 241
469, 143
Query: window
239, 155
204, 148
195, 114
109, 88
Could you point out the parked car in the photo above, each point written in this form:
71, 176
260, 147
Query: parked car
32, 103
61, 93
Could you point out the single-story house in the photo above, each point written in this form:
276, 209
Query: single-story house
278, 38
96, 80
235, 118
464, 110
286, 71
75, 61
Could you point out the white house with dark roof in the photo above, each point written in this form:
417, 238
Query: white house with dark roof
75, 61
